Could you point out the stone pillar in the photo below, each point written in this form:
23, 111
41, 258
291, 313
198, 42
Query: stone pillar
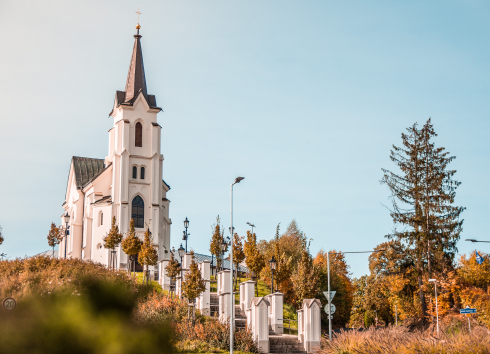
204, 300
260, 323
163, 280
224, 281
276, 309
242, 295
186, 260
312, 324
224, 307
300, 326
249, 289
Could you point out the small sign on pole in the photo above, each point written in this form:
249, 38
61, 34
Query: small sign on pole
332, 309
9, 304
332, 294
468, 311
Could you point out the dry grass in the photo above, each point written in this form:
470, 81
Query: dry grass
401, 340
43, 275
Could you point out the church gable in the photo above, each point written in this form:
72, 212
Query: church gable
86, 170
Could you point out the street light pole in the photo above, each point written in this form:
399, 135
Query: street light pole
232, 297
437, 310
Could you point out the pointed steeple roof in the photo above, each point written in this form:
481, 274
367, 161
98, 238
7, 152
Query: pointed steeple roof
136, 81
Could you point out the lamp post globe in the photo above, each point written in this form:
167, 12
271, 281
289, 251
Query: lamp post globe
186, 222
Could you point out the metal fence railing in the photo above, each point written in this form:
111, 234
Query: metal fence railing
289, 326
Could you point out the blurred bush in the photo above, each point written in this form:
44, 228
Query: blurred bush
99, 320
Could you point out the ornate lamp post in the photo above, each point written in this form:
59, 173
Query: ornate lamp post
66, 218
181, 251
186, 235
273, 264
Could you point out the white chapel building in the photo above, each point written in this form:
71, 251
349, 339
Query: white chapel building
127, 183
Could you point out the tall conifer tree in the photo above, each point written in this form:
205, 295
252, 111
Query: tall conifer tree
422, 196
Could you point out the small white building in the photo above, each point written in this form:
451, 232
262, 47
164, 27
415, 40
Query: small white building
127, 183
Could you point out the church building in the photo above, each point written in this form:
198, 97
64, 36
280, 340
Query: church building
127, 183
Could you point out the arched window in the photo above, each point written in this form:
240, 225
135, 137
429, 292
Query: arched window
138, 212
101, 219
135, 172
138, 135
142, 174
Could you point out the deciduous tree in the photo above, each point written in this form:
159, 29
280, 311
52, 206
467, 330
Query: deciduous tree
54, 236
193, 285
148, 255
238, 254
112, 240
254, 259
215, 244
131, 245
173, 268
304, 278
339, 281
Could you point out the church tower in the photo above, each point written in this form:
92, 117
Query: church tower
138, 190
127, 184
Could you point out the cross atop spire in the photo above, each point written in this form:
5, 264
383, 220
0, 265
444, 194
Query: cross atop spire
138, 25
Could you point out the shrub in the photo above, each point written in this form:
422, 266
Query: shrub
400, 340
97, 321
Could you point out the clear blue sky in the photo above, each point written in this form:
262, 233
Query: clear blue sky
302, 98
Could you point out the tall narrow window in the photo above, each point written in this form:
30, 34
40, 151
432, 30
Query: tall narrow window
101, 219
138, 135
135, 172
142, 174
138, 212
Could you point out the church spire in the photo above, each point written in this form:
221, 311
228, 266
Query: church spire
136, 81
136, 76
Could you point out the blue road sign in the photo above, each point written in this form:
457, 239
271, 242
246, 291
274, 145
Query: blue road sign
467, 311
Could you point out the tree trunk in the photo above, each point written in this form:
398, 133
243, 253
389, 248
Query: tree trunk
423, 306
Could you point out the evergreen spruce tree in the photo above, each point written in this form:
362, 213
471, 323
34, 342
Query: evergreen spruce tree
148, 255
131, 245
54, 236
112, 240
422, 196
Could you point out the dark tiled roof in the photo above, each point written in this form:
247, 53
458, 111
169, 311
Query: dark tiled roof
203, 257
104, 200
136, 81
166, 184
86, 169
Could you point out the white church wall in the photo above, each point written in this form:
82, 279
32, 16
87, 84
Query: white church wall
99, 253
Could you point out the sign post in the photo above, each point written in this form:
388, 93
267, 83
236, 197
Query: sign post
467, 311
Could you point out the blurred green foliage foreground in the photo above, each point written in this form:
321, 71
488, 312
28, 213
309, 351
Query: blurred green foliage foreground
96, 319
73, 306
